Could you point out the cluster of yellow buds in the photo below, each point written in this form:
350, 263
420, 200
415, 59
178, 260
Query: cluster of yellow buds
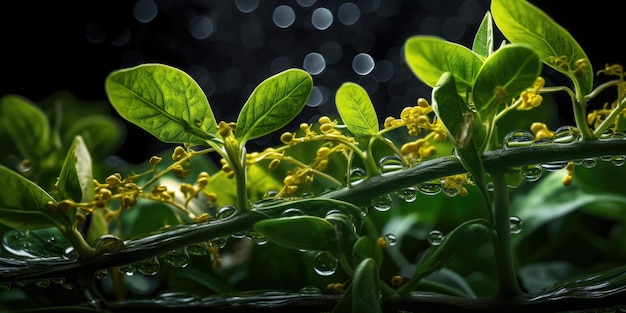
226, 129
416, 119
126, 190
531, 97
457, 183
541, 131
567, 180
562, 62
327, 129
418, 150
192, 191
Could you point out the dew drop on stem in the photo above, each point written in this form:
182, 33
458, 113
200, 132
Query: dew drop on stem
219, 242
226, 212
292, 212
149, 266
531, 172
430, 188
589, 162
554, 166
618, 160
408, 194
5, 286
515, 225
177, 258
382, 203
310, 290
101, 274
325, 263
566, 135
391, 239
356, 176
518, 138
128, 269
390, 163
435, 237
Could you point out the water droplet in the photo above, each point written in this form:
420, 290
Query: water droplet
450, 192
219, 242
618, 160
226, 212
67, 286
518, 138
531, 172
606, 158
128, 269
310, 290
5, 286
566, 135
149, 266
357, 175
177, 258
292, 212
198, 249
554, 166
391, 239
256, 237
589, 162
44, 283
490, 186
429, 188
325, 263
101, 274
382, 203
108, 243
390, 163
58, 281
515, 225
408, 194
24, 166
607, 134
435, 237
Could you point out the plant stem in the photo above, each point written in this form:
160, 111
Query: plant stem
508, 285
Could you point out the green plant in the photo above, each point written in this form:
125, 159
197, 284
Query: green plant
449, 180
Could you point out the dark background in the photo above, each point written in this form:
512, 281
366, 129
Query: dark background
49, 46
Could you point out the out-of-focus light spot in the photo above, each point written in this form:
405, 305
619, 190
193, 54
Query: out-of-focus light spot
430, 4
252, 35
122, 38
348, 13
471, 11
363, 63
386, 9
316, 97
284, 16
306, 3
279, 64
369, 5
383, 71
453, 28
247, 6
322, 18
430, 26
95, 33
332, 51
369, 83
314, 63
201, 27
145, 10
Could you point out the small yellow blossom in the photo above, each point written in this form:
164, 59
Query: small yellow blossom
541, 131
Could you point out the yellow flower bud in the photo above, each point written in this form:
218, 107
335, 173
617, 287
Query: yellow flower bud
324, 120
286, 138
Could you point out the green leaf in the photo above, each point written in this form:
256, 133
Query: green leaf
523, 23
300, 232
366, 247
102, 134
429, 57
483, 41
356, 110
505, 74
462, 127
273, 104
26, 125
76, 179
23, 204
164, 101
365, 289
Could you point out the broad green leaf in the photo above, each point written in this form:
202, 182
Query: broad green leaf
521, 22
164, 101
550, 200
23, 204
76, 178
36, 243
102, 134
429, 57
365, 289
505, 74
273, 104
366, 247
356, 110
461, 126
300, 232
26, 125
468, 235
483, 41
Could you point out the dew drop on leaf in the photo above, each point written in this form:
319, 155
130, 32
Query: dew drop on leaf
435, 237
515, 225
325, 263
382, 203
292, 212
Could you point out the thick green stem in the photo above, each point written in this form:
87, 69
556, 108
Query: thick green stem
508, 284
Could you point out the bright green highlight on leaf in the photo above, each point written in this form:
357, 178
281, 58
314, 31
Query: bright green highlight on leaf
523, 23
273, 104
300, 232
429, 57
76, 179
164, 101
356, 110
